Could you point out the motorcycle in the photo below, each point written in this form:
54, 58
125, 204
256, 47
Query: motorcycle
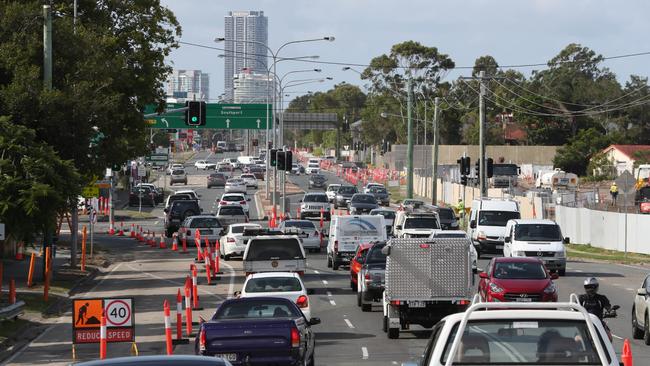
611, 313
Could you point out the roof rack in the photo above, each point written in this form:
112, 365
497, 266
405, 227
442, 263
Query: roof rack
573, 304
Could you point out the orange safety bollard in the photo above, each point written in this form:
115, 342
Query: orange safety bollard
1, 272
84, 236
111, 229
298, 212
195, 289
168, 328
162, 245
626, 354
206, 264
217, 257
46, 286
188, 308
30, 274
102, 336
179, 319
184, 244
12, 291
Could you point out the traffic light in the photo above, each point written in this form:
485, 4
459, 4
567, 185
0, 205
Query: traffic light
477, 169
467, 166
490, 167
463, 180
281, 161
195, 113
288, 160
274, 159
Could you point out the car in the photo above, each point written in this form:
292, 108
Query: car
233, 162
317, 181
177, 212
270, 250
331, 191
415, 224
381, 195
257, 171
487, 223
344, 195
208, 227
367, 187
309, 236
225, 170
536, 238
190, 192
233, 242
287, 285
205, 165
178, 176
312, 168
356, 262
173, 167
229, 215
166, 360
347, 232
159, 194
312, 204
142, 196
361, 203
270, 330
177, 197
238, 199
412, 203
517, 280
250, 180
389, 217
371, 277
448, 219
295, 169
641, 312
217, 180
235, 185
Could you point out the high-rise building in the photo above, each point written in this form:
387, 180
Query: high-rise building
249, 26
252, 88
185, 85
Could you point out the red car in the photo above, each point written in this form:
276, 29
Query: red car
520, 279
357, 262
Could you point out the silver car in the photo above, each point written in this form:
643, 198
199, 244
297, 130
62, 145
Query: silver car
306, 230
312, 204
235, 185
178, 176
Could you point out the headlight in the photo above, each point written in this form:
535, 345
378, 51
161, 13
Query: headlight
550, 288
480, 235
561, 253
495, 289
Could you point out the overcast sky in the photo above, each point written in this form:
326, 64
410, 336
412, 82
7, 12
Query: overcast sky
513, 32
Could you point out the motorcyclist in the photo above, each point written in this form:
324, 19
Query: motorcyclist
592, 301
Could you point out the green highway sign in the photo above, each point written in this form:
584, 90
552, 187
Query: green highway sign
157, 157
218, 116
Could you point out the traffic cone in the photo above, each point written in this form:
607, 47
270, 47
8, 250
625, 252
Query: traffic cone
174, 243
102, 336
179, 320
163, 245
195, 289
626, 354
188, 307
111, 230
20, 254
132, 231
184, 244
168, 328
121, 232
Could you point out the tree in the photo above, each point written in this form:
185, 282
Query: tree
574, 157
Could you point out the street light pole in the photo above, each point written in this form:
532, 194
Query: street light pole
481, 121
409, 152
436, 141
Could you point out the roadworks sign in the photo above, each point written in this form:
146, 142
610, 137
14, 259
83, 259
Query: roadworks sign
87, 315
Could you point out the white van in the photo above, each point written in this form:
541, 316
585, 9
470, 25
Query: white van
222, 145
487, 223
416, 224
245, 160
537, 238
347, 232
313, 166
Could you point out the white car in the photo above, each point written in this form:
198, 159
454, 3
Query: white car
295, 169
234, 242
205, 165
173, 167
250, 180
207, 225
641, 307
366, 189
235, 185
312, 168
306, 230
234, 199
286, 285
331, 191
192, 193
233, 162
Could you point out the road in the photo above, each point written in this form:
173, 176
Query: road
346, 335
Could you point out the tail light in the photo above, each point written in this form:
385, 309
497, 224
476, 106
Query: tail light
223, 203
463, 302
336, 245
230, 240
394, 302
302, 301
202, 340
295, 338
242, 202
315, 233
367, 277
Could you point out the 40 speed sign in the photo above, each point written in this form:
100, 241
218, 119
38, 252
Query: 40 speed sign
118, 312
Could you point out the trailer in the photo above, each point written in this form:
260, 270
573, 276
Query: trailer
426, 279
557, 179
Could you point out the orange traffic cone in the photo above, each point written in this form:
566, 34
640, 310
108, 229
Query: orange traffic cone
626, 354
111, 230
163, 245
174, 243
121, 232
132, 231
20, 254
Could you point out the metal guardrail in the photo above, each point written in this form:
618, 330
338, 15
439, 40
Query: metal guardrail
12, 311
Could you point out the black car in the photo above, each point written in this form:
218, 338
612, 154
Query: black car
373, 270
361, 203
217, 180
142, 196
177, 212
448, 220
381, 195
343, 196
317, 181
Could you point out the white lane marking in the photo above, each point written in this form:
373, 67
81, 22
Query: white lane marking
617, 337
576, 270
324, 282
156, 223
231, 285
316, 271
364, 353
332, 302
349, 323
329, 294
629, 289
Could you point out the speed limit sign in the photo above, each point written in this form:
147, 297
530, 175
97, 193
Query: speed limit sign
118, 313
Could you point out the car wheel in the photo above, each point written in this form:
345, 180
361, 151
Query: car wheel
329, 262
561, 272
359, 303
646, 331
637, 333
366, 308
393, 333
384, 326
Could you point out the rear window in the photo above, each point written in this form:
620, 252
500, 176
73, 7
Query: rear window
390, 215
300, 224
333, 187
205, 222
248, 176
380, 190
364, 198
421, 223
273, 284
279, 249
240, 229
231, 210
315, 198
313, 165
217, 175
257, 309
519, 270
446, 213
375, 255
233, 198
347, 189
178, 172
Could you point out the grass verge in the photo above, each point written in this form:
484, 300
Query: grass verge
586, 251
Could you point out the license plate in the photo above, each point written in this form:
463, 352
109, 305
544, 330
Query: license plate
499, 246
524, 299
205, 232
227, 356
417, 304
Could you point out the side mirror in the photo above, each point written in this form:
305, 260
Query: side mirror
642, 292
472, 224
237, 294
567, 240
310, 291
483, 275
314, 321
506, 239
398, 227
554, 276
248, 199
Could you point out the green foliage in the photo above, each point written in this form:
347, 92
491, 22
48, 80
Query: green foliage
574, 157
601, 168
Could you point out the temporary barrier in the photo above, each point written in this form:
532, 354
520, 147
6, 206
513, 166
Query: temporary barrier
132, 231
30, 274
217, 257
179, 320
102, 336
188, 308
20, 251
195, 289
322, 214
168, 328
121, 232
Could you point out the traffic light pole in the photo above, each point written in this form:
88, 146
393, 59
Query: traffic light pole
409, 150
481, 118
434, 181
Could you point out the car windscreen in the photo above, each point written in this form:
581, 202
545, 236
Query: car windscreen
505, 169
178, 172
524, 342
379, 190
179, 197
537, 232
233, 198
375, 255
519, 271
300, 224
278, 249
644, 193
257, 309
496, 218
446, 213
231, 210
273, 284
389, 215
249, 176
205, 222
421, 223
217, 176
315, 198
363, 198
347, 190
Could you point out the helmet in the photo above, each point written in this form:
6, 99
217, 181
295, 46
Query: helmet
591, 285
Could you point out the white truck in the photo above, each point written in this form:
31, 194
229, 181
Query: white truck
518, 333
504, 175
557, 179
272, 251
426, 279
487, 225
347, 232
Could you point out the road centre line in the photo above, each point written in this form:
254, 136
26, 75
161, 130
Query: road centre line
629, 289
324, 282
364, 353
349, 323
156, 223
332, 302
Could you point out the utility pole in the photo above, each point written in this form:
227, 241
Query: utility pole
481, 121
409, 152
434, 188
47, 85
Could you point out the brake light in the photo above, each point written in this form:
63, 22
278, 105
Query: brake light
336, 245
367, 276
202, 340
302, 301
394, 302
463, 302
223, 203
242, 202
295, 337
230, 240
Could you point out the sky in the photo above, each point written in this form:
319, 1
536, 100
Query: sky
511, 31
